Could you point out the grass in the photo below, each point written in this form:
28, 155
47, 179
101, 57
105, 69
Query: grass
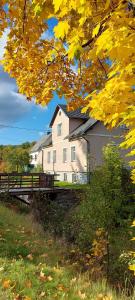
71, 185
33, 267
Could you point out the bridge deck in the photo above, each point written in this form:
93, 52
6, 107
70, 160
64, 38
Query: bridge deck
28, 191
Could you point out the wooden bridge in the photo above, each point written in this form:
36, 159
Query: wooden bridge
26, 183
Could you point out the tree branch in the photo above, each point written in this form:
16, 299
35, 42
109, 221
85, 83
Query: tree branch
24, 14
102, 67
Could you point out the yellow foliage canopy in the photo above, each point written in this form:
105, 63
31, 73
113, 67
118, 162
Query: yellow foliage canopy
90, 58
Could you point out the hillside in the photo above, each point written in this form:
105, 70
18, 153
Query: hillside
33, 265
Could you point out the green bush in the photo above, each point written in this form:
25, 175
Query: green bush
109, 204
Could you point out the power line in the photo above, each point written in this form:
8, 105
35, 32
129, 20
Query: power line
23, 128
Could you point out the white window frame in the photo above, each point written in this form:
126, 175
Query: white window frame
54, 156
73, 153
59, 129
65, 177
48, 157
64, 155
74, 175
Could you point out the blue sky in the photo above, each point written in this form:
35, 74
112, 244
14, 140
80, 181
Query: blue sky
16, 111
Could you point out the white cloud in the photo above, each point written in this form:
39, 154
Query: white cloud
3, 42
13, 106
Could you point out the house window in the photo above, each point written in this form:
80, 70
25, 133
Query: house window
65, 176
73, 154
64, 155
35, 156
74, 177
48, 157
59, 126
54, 156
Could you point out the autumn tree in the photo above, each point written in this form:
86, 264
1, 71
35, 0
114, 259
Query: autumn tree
15, 158
89, 58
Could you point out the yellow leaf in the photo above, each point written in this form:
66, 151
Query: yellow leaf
6, 284
27, 298
57, 4
133, 224
96, 30
107, 4
132, 267
61, 30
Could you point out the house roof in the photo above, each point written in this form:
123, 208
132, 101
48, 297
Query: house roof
45, 141
75, 114
81, 130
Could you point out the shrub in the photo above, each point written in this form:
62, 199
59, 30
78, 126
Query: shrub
108, 204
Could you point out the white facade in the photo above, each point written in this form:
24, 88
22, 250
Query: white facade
73, 159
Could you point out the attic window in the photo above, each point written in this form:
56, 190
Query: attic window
59, 129
60, 113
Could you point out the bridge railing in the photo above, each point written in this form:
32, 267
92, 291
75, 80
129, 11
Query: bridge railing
26, 180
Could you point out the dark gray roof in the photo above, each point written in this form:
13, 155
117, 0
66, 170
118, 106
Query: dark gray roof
45, 141
75, 114
81, 130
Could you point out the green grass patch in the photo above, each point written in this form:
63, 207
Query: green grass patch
71, 185
33, 265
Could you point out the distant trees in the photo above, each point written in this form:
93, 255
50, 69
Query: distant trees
14, 158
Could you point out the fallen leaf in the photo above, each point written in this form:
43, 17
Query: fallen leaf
18, 297
73, 280
61, 287
81, 295
43, 277
49, 278
44, 255
30, 257
42, 294
28, 284
6, 284
26, 243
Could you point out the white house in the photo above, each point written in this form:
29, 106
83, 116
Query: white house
36, 151
74, 148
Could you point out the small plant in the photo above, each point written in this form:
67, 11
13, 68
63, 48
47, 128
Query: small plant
132, 264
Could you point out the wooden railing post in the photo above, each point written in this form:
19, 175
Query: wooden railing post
8, 182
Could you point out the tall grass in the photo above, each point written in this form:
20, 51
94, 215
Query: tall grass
33, 267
